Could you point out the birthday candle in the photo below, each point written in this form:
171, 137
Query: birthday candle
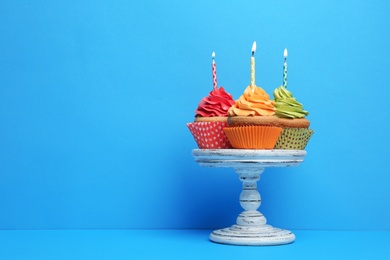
253, 64
285, 69
214, 71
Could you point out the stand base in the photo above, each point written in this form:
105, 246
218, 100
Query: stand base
251, 228
252, 236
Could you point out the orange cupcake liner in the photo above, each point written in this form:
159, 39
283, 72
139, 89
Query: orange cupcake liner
209, 135
253, 137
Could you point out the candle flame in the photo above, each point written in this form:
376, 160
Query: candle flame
285, 53
213, 55
254, 47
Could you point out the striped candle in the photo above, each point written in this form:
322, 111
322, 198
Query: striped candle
285, 69
253, 64
214, 71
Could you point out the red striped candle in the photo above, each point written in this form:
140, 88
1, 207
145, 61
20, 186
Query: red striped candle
214, 70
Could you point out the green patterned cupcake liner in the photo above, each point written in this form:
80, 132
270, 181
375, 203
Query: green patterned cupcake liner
294, 138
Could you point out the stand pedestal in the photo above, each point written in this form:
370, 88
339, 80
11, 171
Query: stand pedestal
250, 227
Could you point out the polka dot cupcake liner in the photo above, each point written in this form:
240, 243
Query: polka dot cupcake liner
209, 135
294, 138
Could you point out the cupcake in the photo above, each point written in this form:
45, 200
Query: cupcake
252, 117
291, 117
211, 117
296, 132
252, 121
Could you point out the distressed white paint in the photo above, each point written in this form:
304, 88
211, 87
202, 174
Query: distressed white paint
250, 227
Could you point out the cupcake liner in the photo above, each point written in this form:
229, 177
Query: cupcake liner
294, 138
253, 137
209, 135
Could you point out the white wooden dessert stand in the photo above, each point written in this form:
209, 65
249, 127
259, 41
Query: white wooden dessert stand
250, 227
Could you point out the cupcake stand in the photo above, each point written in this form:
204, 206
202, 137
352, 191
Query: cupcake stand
250, 227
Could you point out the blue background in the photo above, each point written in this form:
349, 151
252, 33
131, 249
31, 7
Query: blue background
95, 97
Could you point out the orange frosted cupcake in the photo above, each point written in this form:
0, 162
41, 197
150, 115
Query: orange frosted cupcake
251, 121
211, 117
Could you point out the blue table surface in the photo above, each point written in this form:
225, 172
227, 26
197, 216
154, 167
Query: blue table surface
186, 244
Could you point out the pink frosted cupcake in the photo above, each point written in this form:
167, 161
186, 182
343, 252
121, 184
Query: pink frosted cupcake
211, 117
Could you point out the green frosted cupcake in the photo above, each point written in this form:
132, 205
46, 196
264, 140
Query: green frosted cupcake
296, 133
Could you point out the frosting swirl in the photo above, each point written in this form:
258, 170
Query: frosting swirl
254, 102
217, 103
286, 105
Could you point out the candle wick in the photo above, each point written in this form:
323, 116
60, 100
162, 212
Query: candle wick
253, 53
